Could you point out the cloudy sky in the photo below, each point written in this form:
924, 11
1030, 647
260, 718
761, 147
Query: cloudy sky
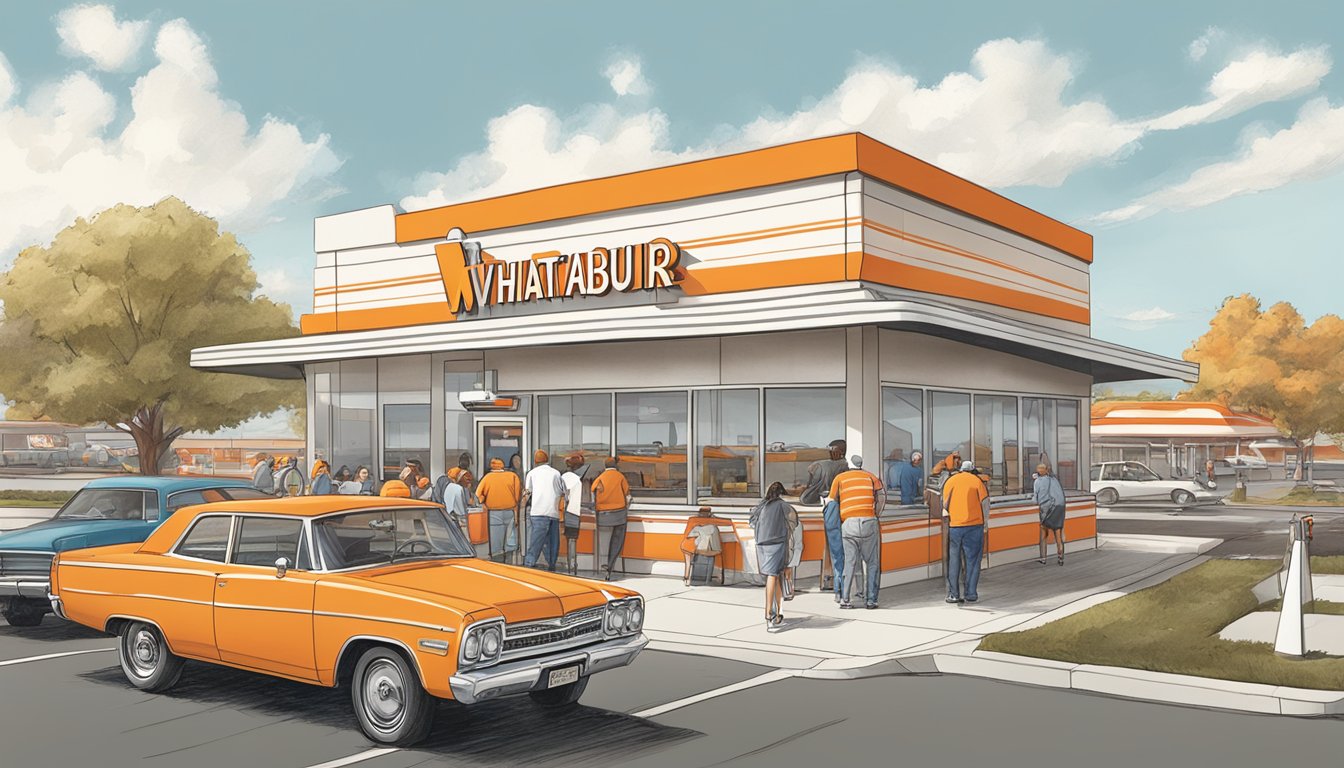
1201, 143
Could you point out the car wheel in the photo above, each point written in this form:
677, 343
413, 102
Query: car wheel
390, 704
1107, 496
23, 613
145, 658
562, 697
1184, 498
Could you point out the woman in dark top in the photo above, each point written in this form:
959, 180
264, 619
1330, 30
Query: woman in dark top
770, 522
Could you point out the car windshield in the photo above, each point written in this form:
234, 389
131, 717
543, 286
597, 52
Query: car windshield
104, 504
387, 536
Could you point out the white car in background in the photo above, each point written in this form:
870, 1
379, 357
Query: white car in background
1119, 481
1241, 461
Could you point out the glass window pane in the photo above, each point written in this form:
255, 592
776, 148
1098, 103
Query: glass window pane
459, 376
902, 435
263, 540
799, 426
1031, 437
727, 441
575, 424
1066, 462
105, 504
405, 436
996, 444
651, 442
949, 426
354, 389
208, 539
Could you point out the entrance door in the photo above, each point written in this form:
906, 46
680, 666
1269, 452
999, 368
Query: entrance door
505, 439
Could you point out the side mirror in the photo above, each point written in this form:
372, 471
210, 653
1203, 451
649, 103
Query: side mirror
281, 567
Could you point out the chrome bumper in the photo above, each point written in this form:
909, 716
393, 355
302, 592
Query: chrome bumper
17, 587
525, 675
56, 606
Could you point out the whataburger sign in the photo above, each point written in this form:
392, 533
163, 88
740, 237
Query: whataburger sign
555, 275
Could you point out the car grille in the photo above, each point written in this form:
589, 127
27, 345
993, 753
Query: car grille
25, 564
536, 636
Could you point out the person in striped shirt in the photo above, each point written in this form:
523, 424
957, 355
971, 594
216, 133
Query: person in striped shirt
861, 497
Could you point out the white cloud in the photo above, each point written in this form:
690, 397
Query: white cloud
626, 77
1311, 148
1148, 317
60, 158
92, 31
1010, 120
1200, 45
1257, 77
275, 282
7, 83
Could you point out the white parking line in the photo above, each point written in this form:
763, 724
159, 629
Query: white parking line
768, 677
54, 656
368, 754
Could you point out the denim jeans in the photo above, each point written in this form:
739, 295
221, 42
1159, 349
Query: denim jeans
863, 554
543, 535
830, 515
964, 541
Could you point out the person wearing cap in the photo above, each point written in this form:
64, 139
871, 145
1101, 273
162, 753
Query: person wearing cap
450, 491
500, 492
573, 510
611, 498
966, 507
321, 478
546, 492
908, 476
861, 497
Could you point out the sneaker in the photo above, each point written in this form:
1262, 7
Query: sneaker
952, 599
845, 605
870, 606
972, 599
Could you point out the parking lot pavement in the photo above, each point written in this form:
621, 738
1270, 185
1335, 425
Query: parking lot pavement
1246, 531
77, 709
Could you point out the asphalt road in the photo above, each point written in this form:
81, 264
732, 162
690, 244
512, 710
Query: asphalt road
77, 710
1246, 531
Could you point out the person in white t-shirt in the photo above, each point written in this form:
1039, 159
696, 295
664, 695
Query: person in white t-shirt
573, 510
545, 491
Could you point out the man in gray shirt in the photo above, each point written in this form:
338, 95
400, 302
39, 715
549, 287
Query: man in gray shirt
820, 474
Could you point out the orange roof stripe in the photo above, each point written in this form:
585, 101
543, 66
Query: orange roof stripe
782, 164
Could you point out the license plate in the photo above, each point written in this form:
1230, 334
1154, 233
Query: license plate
559, 677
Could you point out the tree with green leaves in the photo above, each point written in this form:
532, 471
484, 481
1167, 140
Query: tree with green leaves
99, 326
1271, 362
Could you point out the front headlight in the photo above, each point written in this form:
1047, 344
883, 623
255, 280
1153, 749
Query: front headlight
491, 639
471, 647
636, 616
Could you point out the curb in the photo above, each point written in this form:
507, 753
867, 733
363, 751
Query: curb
1162, 687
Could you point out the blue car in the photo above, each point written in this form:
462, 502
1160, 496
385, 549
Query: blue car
112, 510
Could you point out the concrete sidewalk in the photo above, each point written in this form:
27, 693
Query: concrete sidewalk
912, 622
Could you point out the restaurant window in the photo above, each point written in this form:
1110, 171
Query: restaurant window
1066, 465
949, 426
353, 401
727, 442
575, 424
902, 429
458, 438
403, 394
651, 447
996, 443
799, 426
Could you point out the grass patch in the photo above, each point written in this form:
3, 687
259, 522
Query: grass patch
1331, 564
1302, 496
34, 498
1173, 627
1316, 606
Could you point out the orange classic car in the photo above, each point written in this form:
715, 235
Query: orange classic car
383, 594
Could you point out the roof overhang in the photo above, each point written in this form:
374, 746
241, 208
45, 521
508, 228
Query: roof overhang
833, 305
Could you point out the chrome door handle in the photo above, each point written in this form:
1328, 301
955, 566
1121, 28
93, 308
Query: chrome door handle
223, 584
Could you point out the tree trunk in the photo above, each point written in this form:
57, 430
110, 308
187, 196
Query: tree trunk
1301, 456
151, 439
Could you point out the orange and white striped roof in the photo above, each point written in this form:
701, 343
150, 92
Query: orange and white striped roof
1176, 418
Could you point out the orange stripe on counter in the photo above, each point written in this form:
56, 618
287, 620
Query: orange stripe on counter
880, 270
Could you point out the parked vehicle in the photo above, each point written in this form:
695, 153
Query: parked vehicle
38, 445
382, 593
1119, 481
1241, 461
112, 510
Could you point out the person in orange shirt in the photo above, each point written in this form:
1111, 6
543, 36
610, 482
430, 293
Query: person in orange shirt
861, 497
966, 507
395, 489
611, 498
500, 492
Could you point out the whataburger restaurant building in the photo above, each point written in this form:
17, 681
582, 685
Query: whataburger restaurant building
714, 325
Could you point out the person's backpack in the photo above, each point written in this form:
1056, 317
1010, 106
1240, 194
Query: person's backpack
708, 541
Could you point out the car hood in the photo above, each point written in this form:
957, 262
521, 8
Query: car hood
521, 594
60, 535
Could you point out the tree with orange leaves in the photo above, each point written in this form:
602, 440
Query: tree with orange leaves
1271, 362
